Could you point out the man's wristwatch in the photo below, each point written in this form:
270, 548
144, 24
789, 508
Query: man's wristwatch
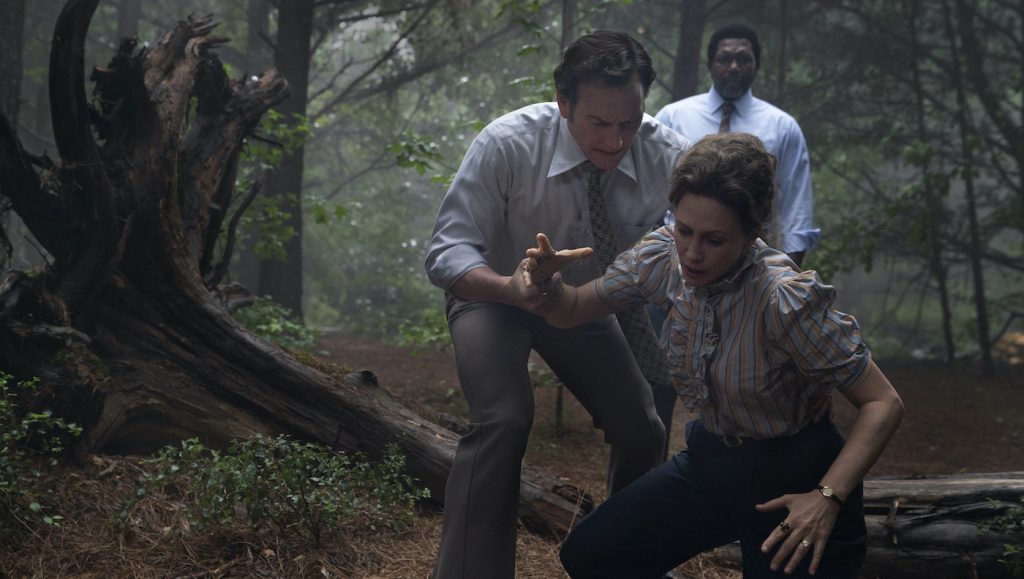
829, 493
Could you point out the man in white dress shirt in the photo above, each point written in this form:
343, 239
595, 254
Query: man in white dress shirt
734, 55
530, 171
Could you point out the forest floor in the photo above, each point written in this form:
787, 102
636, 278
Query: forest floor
956, 421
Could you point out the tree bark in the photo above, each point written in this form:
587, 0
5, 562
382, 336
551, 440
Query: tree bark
933, 199
246, 269
257, 49
686, 67
968, 165
11, 33
282, 279
934, 526
780, 64
122, 328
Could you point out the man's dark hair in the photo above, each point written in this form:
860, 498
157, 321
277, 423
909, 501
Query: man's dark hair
604, 57
735, 31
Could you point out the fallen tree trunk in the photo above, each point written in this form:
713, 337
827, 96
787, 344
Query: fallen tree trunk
936, 526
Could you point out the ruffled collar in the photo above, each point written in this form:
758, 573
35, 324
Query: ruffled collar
695, 335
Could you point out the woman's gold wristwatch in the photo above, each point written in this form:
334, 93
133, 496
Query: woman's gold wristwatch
829, 493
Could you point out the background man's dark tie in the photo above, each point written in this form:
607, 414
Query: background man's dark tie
728, 108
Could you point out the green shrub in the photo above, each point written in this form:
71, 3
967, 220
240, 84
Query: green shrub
29, 441
431, 331
1011, 521
1013, 559
286, 485
277, 323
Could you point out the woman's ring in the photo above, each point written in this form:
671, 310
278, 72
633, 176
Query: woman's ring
784, 527
805, 544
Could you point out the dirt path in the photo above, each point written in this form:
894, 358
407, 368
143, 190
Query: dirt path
956, 420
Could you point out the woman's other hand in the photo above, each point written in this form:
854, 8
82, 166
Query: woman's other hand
548, 261
805, 530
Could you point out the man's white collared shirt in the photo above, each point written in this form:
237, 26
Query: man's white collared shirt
524, 174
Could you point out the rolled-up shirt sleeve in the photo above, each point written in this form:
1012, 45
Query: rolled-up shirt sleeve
825, 345
472, 212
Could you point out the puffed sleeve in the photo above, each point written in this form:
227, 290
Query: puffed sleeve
641, 274
826, 345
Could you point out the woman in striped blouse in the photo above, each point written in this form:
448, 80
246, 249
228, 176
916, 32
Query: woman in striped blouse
756, 349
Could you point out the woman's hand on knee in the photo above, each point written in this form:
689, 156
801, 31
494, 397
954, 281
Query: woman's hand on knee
805, 530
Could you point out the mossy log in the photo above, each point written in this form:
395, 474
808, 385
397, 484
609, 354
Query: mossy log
936, 526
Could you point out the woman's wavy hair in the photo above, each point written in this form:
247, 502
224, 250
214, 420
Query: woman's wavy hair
733, 169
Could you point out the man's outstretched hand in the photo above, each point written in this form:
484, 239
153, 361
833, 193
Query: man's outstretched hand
548, 261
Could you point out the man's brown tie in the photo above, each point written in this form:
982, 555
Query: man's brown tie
728, 108
634, 322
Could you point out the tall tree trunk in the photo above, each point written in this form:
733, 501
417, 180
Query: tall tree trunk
568, 23
686, 67
282, 280
11, 34
933, 202
257, 49
966, 148
258, 44
128, 15
780, 72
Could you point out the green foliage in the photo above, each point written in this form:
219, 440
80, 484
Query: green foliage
268, 219
416, 152
542, 87
430, 332
269, 216
838, 250
1013, 558
286, 485
368, 266
277, 323
280, 137
1010, 521
29, 441
323, 213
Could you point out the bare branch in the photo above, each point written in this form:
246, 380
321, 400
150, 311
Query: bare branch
217, 272
340, 98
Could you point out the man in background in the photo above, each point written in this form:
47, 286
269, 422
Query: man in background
734, 56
